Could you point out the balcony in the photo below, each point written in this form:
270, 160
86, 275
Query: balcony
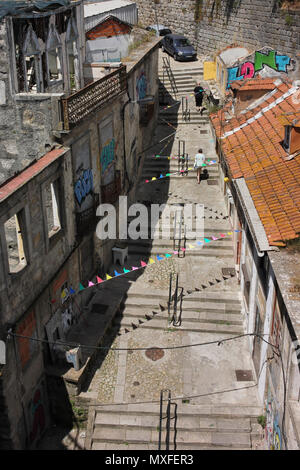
83, 102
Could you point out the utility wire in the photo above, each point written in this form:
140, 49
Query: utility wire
108, 348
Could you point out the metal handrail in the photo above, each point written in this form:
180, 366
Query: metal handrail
168, 420
167, 68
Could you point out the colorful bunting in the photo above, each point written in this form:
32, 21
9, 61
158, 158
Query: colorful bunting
144, 264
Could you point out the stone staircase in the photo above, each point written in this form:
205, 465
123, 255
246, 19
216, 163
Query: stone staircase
154, 167
209, 312
201, 426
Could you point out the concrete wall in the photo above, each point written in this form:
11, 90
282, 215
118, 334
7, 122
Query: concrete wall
252, 23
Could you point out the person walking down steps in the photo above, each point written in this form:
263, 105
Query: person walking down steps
199, 161
199, 92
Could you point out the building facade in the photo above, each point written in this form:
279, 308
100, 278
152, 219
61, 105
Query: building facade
66, 149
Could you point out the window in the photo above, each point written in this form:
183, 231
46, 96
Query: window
32, 63
14, 229
53, 210
54, 56
72, 53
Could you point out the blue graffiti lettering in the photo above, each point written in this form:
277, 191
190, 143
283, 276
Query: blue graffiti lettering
84, 186
232, 74
282, 61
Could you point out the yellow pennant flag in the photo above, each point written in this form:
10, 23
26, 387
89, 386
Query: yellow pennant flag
151, 261
191, 246
108, 277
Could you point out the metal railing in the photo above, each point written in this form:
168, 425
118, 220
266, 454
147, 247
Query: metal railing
168, 71
168, 419
83, 102
185, 111
179, 234
173, 317
182, 157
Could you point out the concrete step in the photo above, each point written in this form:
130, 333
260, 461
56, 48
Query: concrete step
226, 298
184, 422
157, 323
154, 251
166, 244
187, 316
152, 447
206, 410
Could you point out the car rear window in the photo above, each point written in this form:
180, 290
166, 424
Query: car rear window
183, 42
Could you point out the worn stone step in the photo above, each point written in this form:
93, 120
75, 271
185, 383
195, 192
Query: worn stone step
194, 423
205, 327
154, 251
186, 316
166, 244
147, 436
228, 299
153, 447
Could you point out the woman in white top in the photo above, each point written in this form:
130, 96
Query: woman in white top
199, 161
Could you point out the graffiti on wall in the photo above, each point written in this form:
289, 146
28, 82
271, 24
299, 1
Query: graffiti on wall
84, 186
272, 430
141, 86
276, 62
37, 415
107, 161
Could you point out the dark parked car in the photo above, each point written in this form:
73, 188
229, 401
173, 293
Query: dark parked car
179, 47
159, 29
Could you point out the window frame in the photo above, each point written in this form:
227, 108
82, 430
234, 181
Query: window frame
26, 238
37, 54
53, 32
50, 241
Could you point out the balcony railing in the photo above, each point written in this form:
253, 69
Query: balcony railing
78, 105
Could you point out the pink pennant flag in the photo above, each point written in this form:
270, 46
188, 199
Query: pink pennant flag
147, 181
175, 252
134, 268
143, 264
183, 249
99, 279
91, 284
222, 235
214, 238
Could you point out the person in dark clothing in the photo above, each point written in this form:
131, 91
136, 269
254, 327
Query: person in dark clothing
198, 92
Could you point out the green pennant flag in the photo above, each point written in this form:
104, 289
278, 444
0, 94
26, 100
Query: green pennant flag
81, 287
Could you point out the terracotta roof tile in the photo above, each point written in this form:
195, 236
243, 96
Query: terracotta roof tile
255, 153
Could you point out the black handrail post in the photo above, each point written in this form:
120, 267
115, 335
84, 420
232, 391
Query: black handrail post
160, 419
175, 301
170, 297
168, 422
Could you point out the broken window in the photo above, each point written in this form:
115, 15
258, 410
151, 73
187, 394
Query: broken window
72, 53
14, 229
54, 55
32, 63
52, 200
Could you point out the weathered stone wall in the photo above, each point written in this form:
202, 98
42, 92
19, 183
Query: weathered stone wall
252, 23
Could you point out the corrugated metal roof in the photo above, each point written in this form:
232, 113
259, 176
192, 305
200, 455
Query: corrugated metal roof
91, 9
124, 10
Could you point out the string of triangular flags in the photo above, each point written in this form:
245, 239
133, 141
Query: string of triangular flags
143, 264
211, 162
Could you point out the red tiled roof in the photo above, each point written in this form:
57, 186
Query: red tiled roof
26, 175
255, 153
253, 84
